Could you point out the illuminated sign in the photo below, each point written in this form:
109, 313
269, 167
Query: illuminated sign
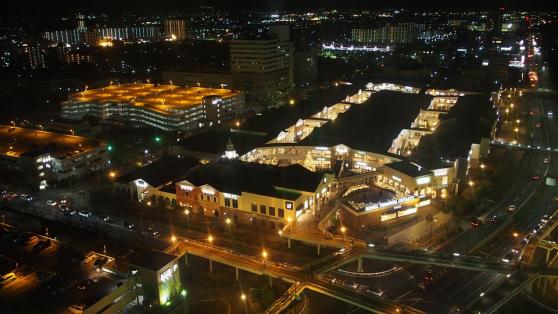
141, 183
423, 203
389, 203
186, 188
441, 172
341, 149
398, 179
322, 148
423, 180
166, 275
408, 211
207, 190
227, 195
390, 216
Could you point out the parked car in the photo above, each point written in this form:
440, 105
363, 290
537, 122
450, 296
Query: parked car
41, 245
43, 275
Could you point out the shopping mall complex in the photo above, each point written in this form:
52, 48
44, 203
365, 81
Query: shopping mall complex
356, 152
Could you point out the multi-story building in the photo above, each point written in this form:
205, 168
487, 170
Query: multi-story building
68, 36
165, 107
46, 157
261, 65
36, 53
176, 29
399, 33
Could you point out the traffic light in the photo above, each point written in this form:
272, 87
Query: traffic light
157, 139
109, 147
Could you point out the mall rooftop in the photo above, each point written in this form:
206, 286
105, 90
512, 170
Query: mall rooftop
156, 97
373, 125
19, 142
160, 172
235, 177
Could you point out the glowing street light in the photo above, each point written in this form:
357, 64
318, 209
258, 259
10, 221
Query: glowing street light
471, 183
289, 219
264, 255
343, 230
482, 166
228, 221
210, 239
243, 297
112, 174
515, 234
173, 238
186, 212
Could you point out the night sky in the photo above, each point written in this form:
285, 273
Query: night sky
142, 5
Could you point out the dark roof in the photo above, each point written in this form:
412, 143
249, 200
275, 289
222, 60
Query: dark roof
213, 141
164, 170
234, 176
152, 260
274, 120
373, 125
408, 168
468, 121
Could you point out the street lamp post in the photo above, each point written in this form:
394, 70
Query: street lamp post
343, 230
289, 219
187, 213
210, 240
264, 255
243, 298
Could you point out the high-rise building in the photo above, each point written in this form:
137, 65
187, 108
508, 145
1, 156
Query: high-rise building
36, 54
262, 64
176, 29
399, 33
68, 36
81, 22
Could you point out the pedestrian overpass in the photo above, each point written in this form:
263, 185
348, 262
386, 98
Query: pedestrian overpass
447, 260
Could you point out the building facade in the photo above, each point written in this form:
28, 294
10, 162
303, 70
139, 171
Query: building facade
176, 29
400, 33
45, 158
228, 189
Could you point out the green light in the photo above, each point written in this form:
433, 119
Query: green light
157, 139
109, 147
183, 292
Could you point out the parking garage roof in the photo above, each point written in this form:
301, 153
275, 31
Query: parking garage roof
22, 142
161, 98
